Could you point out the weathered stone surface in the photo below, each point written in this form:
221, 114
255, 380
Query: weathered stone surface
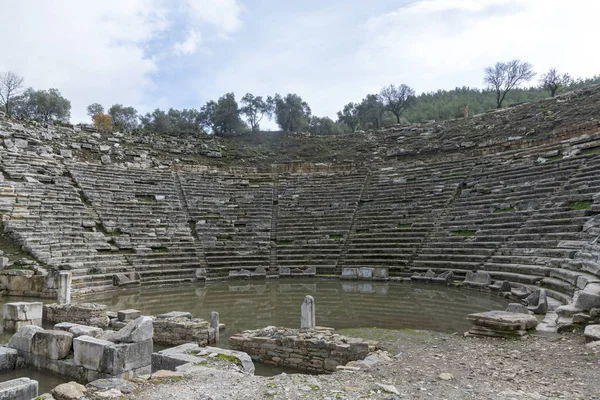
538, 301
518, 308
8, 358
85, 314
64, 287
78, 330
128, 315
89, 352
19, 389
121, 385
175, 314
138, 330
69, 391
592, 332
478, 279
504, 320
307, 350
178, 330
308, 318
123, 357
22, 339
23, 311
52, 344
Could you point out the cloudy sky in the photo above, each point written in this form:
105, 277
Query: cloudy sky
182, 53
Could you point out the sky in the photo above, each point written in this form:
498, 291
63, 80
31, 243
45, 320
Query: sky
182, 53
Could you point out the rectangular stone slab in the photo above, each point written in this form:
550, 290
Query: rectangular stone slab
23, 311
52, 344
128, 315
89, 351
19, 389
504, 320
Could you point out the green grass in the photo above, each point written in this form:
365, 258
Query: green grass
580, 205
411, 180
504, 210
464, 233
361, 232
404, 226
231, 359
284, 243
590, 152
555, 158
159, 250
336, 237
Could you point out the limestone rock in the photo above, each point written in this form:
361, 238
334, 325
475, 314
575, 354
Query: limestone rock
109, 394
52, 344
138, 330
69, 391
121, 385
518, 308
22, 339
592, 332
8, 358
503, 319
387, 388
445, 376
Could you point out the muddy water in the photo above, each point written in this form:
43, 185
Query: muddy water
256, 304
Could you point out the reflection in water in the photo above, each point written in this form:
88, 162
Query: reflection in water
339, 304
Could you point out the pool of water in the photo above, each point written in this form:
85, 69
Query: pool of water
252, 304
339, 304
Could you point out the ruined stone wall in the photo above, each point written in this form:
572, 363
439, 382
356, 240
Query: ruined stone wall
316, 351
84, 314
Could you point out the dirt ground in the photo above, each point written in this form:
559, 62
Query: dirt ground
424, 365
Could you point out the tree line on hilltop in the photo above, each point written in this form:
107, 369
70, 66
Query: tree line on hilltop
392, 105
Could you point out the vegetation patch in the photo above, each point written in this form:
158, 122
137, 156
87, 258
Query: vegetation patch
159, 250
504, 210
411, 180
590, 152
145, 198
336, 237
580, 205
464, 233
361, 232
284, 243
404, 226
555, 158
229, 358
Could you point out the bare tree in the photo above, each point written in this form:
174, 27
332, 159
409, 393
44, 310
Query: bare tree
10, 86
553, 81
397, 99
503, 77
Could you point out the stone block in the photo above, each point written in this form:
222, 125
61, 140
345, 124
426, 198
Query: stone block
592, 332
175, 314
380, 273
120, 358
22, 339
308, 320
3, 262
52, 344
128, 315
349, 273
504, 320
69, 391
18, 389
8, 358
138, 330
89, 352
23, 311
518, 308
64, 287
365, 273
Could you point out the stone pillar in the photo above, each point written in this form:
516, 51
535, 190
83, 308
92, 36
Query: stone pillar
64, 287
214, 326
307, 321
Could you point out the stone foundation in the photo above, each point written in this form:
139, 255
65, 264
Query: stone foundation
19, 389
177, 328
20, 314
316, 351
85, 314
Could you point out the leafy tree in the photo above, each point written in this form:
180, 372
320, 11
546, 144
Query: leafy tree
43, 105
94, 109
397, 99
187, 121
350, 116
505, 76
554, 81
324, 126
124, 118
370, 112
255, 108
292, 114
103, 122
10, 86
224, 115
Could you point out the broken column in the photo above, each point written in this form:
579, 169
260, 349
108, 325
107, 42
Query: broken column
64, 287
307, 320
19, 314
214, 327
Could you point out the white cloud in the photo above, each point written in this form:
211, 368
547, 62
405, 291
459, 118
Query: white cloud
223, 15
189, 45
92, 52
446, 43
